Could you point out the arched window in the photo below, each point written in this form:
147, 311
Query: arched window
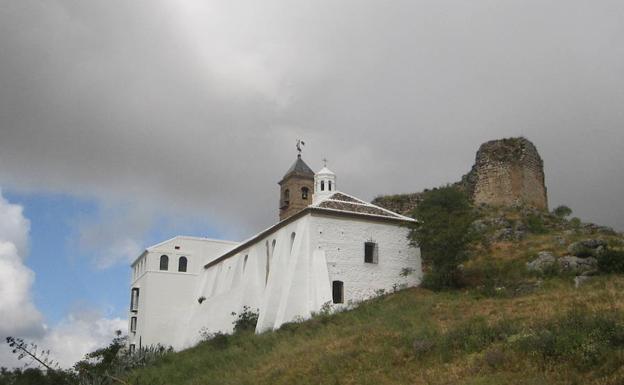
286, 197
134, 299
292, 242
337, 292
182, 262
304, 192
164, 262
322, 185
329, 185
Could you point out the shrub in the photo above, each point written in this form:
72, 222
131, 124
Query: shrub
217, 340
562, 211
575, 223
535, 224
611, 261
246, 320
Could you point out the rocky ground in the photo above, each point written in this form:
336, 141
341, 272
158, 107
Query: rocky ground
522, 246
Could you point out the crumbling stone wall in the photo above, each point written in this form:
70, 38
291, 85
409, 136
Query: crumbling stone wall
399, 203
507, 172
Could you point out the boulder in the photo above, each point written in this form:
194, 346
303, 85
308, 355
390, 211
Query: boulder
587, 248
576, 264
544, 259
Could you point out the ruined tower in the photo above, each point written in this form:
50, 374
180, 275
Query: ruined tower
508, 172
296, 188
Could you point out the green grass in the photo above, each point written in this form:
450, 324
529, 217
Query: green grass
373, 343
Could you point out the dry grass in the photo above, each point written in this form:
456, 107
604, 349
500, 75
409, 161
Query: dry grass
372, 344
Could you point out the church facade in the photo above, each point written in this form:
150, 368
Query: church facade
328, 248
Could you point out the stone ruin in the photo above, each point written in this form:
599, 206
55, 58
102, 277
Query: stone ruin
507, 172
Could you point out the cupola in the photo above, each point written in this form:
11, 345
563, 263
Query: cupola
324, 184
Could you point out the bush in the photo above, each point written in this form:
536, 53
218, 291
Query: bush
575, 223
611, 261
562, 211
246, 320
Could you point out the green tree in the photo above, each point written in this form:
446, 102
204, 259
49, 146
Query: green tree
444, 234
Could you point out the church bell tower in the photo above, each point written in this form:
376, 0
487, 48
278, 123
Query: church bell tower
296, 187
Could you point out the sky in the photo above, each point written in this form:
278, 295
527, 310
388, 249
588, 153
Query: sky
123, 123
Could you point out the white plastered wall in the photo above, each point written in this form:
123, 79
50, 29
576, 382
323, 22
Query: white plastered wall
165, 297
326, 247
342, 240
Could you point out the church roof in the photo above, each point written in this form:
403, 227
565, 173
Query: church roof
338, 203
299, 167
346, 203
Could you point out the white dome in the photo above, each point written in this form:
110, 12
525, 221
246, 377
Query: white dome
324, 184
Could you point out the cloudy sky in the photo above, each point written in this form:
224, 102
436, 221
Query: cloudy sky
126, 122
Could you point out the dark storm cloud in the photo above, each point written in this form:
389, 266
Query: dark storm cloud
195, 107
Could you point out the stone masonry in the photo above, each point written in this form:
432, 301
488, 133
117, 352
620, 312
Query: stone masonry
507, 172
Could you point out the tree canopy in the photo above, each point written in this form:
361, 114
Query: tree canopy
444, 234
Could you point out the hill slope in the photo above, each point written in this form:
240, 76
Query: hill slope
509, 325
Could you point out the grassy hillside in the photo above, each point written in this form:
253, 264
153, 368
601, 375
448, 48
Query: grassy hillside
508, 326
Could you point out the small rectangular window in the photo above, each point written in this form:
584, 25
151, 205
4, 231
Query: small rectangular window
338, 292
370, 252
133, 324
132, 348
134, 299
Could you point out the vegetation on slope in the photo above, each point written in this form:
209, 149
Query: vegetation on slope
555, 335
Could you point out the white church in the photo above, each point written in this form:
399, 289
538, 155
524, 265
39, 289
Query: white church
328, 247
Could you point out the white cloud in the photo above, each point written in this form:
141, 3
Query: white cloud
17, 311
14, 228
77, 334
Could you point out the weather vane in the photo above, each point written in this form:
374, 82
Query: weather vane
299, 144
